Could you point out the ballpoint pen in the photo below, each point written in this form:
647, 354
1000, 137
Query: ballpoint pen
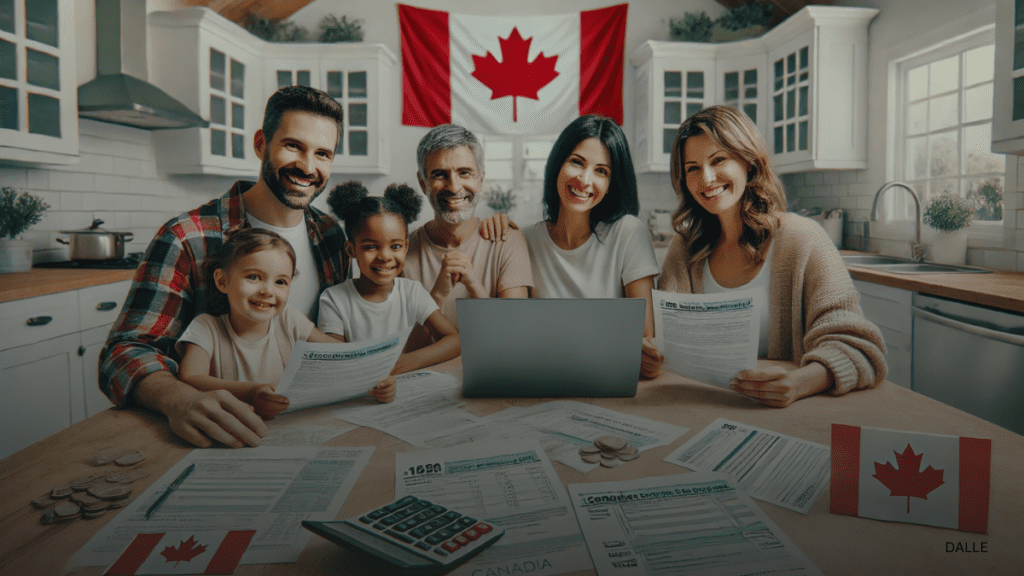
174, 486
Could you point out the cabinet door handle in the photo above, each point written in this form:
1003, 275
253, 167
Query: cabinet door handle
39, 321
105, 306
81, 350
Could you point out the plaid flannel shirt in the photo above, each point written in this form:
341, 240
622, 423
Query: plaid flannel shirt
168, 290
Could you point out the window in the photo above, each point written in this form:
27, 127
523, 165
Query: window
515, 164
945, 127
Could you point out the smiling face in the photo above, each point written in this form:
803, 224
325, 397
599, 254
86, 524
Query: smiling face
257, 286
715, 177
585, 176
379, 247
453, 180
297, 160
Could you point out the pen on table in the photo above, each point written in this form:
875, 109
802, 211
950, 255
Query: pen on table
174, 486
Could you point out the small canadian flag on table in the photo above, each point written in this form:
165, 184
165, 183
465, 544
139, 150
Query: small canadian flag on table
183, 552
911, 477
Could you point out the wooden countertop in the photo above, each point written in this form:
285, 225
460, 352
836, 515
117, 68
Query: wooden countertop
1000, 289
42, 281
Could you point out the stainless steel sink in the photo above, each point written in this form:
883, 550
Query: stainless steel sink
896, 265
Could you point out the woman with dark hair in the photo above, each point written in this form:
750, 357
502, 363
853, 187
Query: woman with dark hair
734, 233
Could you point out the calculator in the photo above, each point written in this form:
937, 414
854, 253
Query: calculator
413, 534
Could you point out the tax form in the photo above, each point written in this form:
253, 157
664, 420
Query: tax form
269, 488
708, 337
773, 467
318, 374
696, 523
510, 484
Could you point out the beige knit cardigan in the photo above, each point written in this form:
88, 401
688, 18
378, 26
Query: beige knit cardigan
814, 310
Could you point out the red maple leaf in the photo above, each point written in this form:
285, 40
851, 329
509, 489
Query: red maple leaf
515, 75
184, 552
907, 481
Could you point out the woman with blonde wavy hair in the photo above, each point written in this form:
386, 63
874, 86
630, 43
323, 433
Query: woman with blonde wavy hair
733, 232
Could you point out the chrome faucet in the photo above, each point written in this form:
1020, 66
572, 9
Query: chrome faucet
916, 250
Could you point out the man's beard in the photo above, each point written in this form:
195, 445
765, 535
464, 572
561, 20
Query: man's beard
456, 217
273, 180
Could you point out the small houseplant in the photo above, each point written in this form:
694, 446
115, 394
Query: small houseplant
334, 30
950, 215
501, 201
17, 213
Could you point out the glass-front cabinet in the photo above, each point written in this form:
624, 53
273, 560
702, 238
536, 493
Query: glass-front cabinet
818, 55
38, 93
1008, 99
236, 72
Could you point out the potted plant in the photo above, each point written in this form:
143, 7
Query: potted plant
17, 213
501, 201
950, 215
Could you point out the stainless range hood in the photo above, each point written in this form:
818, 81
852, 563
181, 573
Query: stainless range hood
114, 95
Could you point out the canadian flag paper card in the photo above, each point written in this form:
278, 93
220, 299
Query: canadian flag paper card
511, 74
911, 477
184, 552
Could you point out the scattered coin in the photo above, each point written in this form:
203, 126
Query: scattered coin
66, 510
87, 514
611, 463
609, 455
44, 501
82, 483
590, 449
117, 504
130, 459
84, 499
106, 456
77, 495
610, 442
591, 458
95, 506
125, 476
106, 491
61, 492
627, 456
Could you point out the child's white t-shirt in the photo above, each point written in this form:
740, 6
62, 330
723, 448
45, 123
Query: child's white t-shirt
262, 360
344, 312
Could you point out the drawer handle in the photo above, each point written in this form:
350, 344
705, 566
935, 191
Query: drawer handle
106, 306
39, 321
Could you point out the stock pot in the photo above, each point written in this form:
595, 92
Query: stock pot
95, 243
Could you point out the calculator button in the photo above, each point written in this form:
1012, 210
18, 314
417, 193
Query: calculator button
440, 552
451, 546
483, 528
400, 536
435, 539
466, 521
379, 526
377, 514
366, 519
419, 506
448, 532
472, 534
452, 516
461, 540
391, 520
438, 509
399, 504
422, 545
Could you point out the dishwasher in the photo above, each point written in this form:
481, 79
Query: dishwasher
970, 357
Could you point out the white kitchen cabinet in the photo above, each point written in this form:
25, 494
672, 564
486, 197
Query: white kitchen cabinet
890, 309
225, 74
805, 82
49, 353
1008, 96
38, 89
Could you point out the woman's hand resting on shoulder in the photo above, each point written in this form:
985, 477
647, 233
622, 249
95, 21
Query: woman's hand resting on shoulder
779, 383
495, 226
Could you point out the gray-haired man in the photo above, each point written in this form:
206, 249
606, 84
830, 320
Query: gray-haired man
447, 254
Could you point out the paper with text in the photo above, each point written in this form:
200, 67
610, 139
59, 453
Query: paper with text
682, 524
269, 489
512, 485
773, 467
708, 337
319, 374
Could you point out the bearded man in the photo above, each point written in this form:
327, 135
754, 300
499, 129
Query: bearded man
447, 254
138, 365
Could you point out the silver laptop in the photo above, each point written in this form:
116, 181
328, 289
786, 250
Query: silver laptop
544, 348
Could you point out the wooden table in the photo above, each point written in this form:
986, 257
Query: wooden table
836, 544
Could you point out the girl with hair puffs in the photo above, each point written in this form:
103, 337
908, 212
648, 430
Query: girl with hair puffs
380, 302
244, 342
734, 233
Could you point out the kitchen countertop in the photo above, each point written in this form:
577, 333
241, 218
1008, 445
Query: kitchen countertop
1000, 289
42, 281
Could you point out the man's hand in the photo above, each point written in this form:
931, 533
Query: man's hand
456, 267
778, 384
497, 225
650, 364
384, 391
201, 417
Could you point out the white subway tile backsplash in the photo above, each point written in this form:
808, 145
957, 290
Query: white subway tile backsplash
71, 201
848, 176
126, 167
830, 177
96, 164
13, 178
37, 179
107, 183
72, 181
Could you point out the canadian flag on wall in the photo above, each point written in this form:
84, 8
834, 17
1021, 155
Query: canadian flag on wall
511, 74
911, 477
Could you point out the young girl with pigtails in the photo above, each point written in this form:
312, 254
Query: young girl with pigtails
380, 302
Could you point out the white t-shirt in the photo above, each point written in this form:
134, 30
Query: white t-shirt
305, 287
614, 255
759, 283
343, 311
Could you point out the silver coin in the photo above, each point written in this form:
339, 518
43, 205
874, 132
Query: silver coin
43, 502
110, 491
66, 510
610, 442
611, 463
591, 458
630, 456
590, 449
130, 459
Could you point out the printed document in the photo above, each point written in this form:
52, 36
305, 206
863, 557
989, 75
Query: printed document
425, 403
682, 524
270, 489
319, 374
708, 337
512, 485
773, 467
